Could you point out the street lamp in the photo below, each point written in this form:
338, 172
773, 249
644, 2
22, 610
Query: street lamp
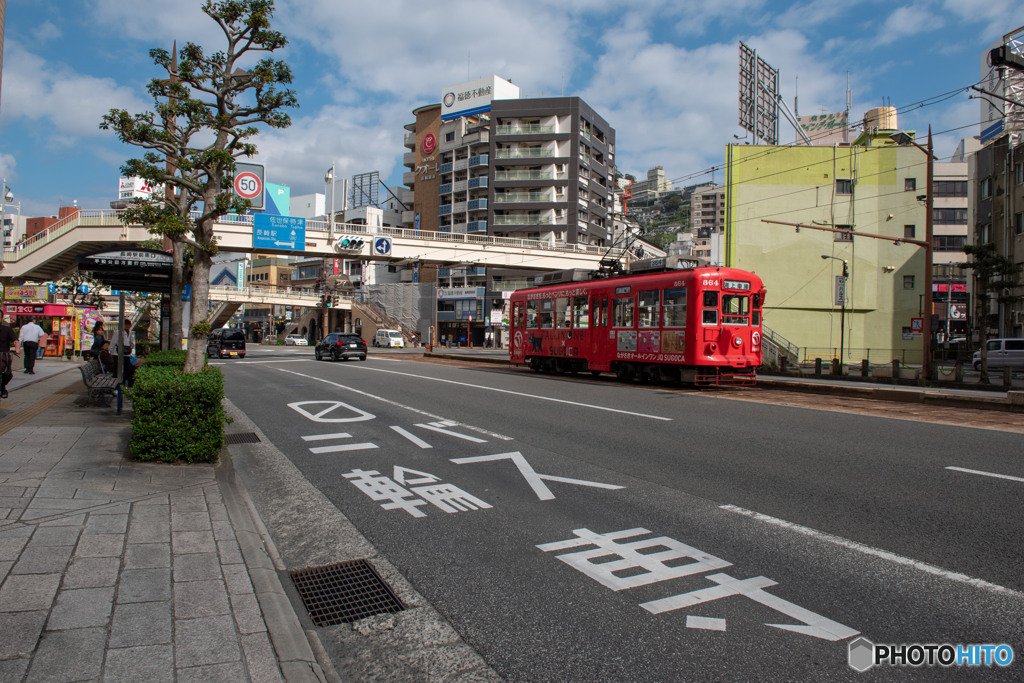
901, 138
329, 178
842, 298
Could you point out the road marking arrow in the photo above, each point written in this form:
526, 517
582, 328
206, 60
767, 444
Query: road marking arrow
531, 476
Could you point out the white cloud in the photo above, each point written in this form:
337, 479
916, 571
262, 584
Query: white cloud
72, 103
907, 21
46, 31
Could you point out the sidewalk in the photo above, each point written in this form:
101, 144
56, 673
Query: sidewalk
116, 570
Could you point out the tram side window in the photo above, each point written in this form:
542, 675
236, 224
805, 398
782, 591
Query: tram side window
755, 315
531, 315
518, 318
735, 309
580, 312
647, 313
563, 314
622, 312
710, 316
675, 307
547, 314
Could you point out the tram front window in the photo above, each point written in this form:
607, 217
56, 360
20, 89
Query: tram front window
735, 309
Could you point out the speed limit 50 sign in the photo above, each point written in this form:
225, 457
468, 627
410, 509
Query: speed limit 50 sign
248, 183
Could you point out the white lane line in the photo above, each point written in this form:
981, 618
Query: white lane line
450, 433
706, 623
986, 474
412, 437
403, 406
340, 448
519, 393
324, 437
877, 552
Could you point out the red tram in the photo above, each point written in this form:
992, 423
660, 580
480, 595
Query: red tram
678, 321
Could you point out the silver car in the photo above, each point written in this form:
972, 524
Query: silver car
295, 340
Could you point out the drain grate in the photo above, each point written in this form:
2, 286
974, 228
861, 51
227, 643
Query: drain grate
344, 592
241, 437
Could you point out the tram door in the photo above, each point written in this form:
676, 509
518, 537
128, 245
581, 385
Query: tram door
602, 337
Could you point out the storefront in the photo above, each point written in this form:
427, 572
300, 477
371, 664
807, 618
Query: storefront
65, 326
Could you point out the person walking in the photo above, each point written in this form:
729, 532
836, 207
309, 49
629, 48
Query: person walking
30, 336
7, 337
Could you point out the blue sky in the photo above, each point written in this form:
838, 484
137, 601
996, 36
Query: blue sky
663, 73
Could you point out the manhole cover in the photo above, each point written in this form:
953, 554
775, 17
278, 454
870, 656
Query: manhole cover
344, 592
241, 437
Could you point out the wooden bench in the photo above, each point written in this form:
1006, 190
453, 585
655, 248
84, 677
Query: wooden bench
101, 386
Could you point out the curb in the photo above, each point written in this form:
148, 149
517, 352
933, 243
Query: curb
291, 642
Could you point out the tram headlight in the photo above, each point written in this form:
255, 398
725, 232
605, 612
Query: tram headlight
737, 342
710, 349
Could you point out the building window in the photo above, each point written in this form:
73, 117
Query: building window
950, 216
844, 234
985, 188
1018, 173
449, 137
1018, 223
844, 186
909, 184
908, 282
909, 231
950, 188
949, 242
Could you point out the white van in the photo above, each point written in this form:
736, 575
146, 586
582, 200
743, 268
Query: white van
1002, 353
389, 339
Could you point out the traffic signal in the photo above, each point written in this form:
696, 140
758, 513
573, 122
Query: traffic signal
328, 300
335, 298
350, 242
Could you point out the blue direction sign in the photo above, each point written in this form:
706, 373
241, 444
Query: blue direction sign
278, 232
382, 246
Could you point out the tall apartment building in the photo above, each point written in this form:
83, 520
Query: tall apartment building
646, 191
486, 162
707, 209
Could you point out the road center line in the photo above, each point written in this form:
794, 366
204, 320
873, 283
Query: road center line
986, 474
877, 552
518, 393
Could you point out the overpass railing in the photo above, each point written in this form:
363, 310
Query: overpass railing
111, 217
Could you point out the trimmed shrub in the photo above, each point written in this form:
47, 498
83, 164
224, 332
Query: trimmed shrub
177, 415
174, 359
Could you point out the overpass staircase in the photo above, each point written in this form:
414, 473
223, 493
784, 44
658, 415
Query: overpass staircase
223, 312
378, 318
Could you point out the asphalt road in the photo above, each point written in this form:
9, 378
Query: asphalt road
576, 530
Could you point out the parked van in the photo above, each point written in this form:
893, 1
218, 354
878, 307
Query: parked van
226, 343
389, 339
1002, 353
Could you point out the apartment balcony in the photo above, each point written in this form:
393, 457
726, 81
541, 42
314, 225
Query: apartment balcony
523, 219
444, 189
408, 218
409, 178
409, 140
478, 160
524, 129
409, 159
524, 175
446, 168
444, 210
477, 137
460, 164
476, 227
525, 153
522, 197
476, 205
477, 182
406, 196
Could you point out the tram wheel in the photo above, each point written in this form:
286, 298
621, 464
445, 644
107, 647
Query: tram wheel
595, 373
624, 372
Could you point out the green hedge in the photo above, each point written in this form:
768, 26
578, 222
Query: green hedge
177, 415
165, 358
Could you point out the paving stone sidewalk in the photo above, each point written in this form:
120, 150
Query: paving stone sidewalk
116, 570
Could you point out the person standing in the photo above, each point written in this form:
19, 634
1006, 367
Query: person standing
7, 338
30, 336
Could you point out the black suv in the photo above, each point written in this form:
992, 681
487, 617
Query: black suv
226, 343
340, 345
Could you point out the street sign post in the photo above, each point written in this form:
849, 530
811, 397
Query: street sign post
278, 232
248, 183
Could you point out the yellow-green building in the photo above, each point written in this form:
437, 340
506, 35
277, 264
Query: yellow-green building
871, 186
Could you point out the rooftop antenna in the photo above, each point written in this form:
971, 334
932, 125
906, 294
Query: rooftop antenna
796, 98
849, 96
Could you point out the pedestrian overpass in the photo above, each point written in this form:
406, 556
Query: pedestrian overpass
53, 253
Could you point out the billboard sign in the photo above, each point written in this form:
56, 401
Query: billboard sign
825, 129
278, 232
474, 97
759, 97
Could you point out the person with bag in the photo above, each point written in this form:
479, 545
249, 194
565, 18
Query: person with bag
7, 337
30, 336
99, 335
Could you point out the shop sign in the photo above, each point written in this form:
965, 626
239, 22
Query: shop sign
30, 293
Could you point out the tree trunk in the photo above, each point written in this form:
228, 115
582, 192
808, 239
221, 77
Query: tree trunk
177, 286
